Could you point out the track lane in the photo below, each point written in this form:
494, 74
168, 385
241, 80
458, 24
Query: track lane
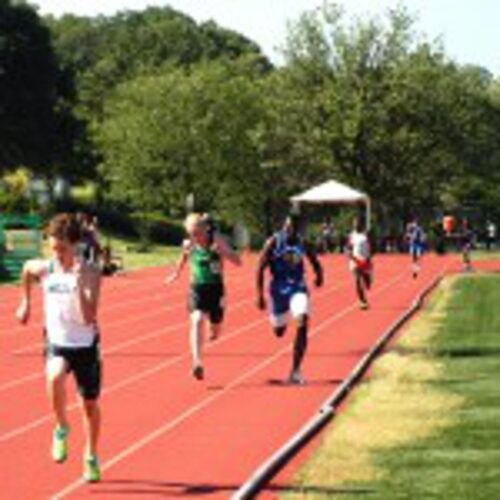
169, 393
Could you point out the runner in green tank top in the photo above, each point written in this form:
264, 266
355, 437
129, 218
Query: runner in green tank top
205, 253
206, 266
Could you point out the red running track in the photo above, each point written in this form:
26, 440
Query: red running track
165, 434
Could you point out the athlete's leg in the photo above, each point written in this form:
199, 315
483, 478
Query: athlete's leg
299, 307
196, 341
300, 345
367, 279
279, 322
92, 425
280, 305
415, 255
467, 258
86, 366
56, 376
364, 282
360, 288
216, 313
279, 331
215, 331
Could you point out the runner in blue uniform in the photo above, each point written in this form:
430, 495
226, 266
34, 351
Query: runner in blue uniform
467, 240
415, 237
284, 253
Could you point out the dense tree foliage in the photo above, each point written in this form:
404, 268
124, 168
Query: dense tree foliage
37, 128
104, 52
387, 112
185, 132
168, 107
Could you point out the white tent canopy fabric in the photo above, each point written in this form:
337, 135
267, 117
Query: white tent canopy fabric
334, 193
331, 192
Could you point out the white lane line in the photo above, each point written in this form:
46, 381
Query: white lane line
139, 376
171, 424
115, 348
161, 295
34, 348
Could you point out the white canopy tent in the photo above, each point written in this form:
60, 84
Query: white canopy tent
334, 193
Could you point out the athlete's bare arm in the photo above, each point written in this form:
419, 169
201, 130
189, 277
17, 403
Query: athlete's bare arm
32, 272
88, 279
222, 247
315, 263
264, 260
186, 249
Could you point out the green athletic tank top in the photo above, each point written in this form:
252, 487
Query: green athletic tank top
205, 266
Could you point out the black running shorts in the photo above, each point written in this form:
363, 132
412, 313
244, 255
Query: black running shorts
209, 299
85, 364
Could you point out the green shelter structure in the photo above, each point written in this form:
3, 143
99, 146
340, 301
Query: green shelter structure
20, 240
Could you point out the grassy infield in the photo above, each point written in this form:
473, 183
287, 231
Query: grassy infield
426, 424
157, 255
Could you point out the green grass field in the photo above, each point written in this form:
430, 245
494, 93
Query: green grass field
485, 255
134, 258
426, 424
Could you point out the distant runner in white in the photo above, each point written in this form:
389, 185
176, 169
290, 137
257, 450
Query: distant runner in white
360, 261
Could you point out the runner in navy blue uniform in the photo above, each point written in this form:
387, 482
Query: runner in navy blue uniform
467, 238
415, 237
284, 253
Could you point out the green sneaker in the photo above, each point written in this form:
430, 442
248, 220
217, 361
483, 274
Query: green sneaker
91, 469
60, 444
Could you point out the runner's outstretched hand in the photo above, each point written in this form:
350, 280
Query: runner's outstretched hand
23, 312
261, 303
318, 281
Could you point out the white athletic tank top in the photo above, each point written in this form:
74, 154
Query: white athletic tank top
360, 247
64, 322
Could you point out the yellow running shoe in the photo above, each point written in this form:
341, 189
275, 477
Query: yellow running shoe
91, 469
60, 444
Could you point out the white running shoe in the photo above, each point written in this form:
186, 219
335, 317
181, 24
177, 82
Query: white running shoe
296, 378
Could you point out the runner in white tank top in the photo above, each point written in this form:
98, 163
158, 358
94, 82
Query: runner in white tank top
71, 296
64, 322
360, 261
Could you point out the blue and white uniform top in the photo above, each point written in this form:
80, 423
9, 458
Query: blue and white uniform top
64, 323
415, 235
287, 263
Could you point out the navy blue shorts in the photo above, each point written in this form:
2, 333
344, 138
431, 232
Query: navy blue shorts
285, 299
416, 249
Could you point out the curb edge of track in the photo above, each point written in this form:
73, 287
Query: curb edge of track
266, 471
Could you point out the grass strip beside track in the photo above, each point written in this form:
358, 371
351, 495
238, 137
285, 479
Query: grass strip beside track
127, 248
425, 424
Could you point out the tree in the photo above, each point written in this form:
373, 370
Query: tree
35, 126
104, 52
183, 132
375, 106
